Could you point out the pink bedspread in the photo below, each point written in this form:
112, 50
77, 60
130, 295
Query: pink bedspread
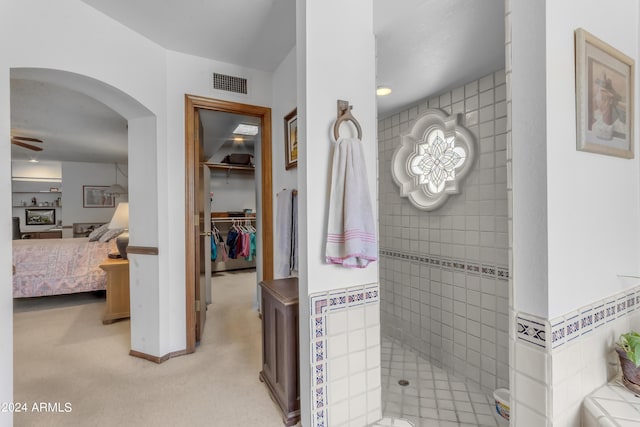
58, 266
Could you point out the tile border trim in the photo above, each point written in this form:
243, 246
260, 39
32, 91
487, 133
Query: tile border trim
485, 270
571, 327
320, 305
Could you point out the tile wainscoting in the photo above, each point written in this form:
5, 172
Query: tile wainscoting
345, 357
561, 361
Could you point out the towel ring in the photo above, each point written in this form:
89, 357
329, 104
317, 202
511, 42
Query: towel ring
344, 114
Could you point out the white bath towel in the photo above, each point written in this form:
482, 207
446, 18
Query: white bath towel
351, 233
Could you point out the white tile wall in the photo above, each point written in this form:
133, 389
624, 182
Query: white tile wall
345, 357
573, 356
453, 307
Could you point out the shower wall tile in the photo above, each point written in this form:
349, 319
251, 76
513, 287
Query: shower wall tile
444, 281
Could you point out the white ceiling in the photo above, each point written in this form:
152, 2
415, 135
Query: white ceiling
424, 47
73, 127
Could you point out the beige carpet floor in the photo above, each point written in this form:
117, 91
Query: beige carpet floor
64, 354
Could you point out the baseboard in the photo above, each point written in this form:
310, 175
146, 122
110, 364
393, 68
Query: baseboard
157, 359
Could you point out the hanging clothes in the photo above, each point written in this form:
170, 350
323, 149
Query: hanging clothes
232, 243
252, 246
222, 250
245, 249
214, 247
220, 246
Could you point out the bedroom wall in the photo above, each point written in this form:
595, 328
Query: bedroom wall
77, 174
73, 176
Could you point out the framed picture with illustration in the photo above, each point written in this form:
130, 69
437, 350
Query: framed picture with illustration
291, 139
40, 216
604, 97
93, 196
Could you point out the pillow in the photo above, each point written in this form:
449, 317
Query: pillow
98, 232
111, 234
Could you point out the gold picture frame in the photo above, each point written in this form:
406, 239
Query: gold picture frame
604, 97
291, 139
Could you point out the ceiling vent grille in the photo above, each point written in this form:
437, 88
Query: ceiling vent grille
229, 83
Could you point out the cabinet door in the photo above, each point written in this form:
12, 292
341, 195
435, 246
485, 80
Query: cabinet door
49, 235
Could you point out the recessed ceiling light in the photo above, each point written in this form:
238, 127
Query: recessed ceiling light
238, 139
244, 129
383, 91
33, 161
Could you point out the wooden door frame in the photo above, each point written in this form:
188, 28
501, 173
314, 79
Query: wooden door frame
192, 164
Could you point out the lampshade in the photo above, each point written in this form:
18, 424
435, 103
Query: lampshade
120, 217
121, 220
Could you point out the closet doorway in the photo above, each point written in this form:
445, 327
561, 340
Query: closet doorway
197, 207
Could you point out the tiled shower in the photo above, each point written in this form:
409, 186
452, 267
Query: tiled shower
444, 277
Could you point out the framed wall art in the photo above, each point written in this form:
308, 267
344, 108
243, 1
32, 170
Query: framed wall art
40, 216
93, 196
291, 139
604, 97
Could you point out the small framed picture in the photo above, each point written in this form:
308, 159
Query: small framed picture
291, 139
93, 196
604, 97
40, 216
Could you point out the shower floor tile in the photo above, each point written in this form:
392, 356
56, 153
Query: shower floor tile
433, 398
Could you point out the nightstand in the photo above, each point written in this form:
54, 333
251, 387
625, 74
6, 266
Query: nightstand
117, 289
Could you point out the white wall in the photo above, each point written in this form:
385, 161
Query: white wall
77, 174
594, 211
529, 158
6, 295
43, 169
233, 192
284, 101
329, 69
574, 211
575, 214
333, 73
192, 75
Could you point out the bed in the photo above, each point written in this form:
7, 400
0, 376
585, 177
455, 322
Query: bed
58, 266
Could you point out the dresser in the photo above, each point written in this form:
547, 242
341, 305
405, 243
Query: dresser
280, 354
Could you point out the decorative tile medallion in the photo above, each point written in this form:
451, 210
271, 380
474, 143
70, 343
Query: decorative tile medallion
320, 305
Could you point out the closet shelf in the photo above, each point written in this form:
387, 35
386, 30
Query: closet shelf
239, 215
229, 168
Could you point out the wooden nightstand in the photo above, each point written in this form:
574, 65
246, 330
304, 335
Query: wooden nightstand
117, 289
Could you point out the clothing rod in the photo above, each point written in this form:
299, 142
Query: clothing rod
236, 218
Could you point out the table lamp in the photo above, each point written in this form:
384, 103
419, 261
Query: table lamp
121, 220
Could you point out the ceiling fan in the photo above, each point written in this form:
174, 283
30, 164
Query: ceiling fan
21, 141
